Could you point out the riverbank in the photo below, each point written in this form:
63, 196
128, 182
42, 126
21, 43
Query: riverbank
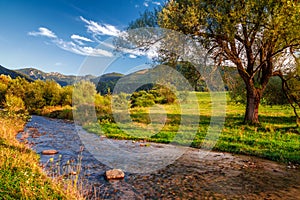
21, 176
192, 176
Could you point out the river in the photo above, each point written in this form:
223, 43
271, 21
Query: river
213, 176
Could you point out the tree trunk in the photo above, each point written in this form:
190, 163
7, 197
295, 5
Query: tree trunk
253, 101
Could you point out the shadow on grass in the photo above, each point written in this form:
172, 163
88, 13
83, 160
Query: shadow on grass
267, 123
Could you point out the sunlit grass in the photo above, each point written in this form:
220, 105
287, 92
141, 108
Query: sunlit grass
276, 138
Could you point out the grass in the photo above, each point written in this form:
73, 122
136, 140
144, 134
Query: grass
21, 177
59, 112
276, 138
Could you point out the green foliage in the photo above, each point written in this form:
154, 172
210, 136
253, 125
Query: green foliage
84, 93
18, 87
103, 107
192, 75
51, 93
163, 95
142, 99
273, 95
35, 95
34, 98
59, 112
84, 102
66, 95
3, 89
157, 95
14, 104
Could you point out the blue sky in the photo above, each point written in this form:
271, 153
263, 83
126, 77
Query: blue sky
64, 35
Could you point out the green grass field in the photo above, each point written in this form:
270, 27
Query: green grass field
276, 138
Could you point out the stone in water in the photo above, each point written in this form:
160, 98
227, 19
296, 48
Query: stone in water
114, 174
49, 152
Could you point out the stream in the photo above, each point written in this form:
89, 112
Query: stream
215, 175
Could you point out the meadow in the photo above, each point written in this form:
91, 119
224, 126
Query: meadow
276, 137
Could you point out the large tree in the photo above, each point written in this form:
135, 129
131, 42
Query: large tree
260, 38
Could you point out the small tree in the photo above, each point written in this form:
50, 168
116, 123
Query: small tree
84, 102
66, 95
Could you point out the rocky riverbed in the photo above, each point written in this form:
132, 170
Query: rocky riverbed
214, 175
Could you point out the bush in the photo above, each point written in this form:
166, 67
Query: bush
60, 112
103, 107
163, 95
142, 99
157, 95
14, 104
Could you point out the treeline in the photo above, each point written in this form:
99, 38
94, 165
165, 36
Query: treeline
19, 95
49, 98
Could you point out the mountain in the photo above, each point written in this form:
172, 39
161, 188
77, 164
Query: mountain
107, 82
13, 74
61, 79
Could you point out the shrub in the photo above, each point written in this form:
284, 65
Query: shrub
103, 107
142, 99
14, 104
163, 95
159, 94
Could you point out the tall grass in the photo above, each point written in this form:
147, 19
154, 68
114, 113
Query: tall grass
21, 177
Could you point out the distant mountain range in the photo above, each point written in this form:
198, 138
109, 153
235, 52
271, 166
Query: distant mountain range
13, 74
31, 74
140, 80
61, 79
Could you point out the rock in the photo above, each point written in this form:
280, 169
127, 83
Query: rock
49, 152
114, 174
144, 145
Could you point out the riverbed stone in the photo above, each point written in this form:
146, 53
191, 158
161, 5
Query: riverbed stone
114, 174
49, 152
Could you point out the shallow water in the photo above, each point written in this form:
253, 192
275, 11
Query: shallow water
197, 174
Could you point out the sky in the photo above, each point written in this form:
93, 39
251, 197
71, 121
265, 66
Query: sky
69, 36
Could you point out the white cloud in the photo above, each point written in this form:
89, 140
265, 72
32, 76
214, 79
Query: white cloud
78, 37
85, 51
43, 32
78, 45
98, 29
70, 46
156, 3
146, 3
132, 56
